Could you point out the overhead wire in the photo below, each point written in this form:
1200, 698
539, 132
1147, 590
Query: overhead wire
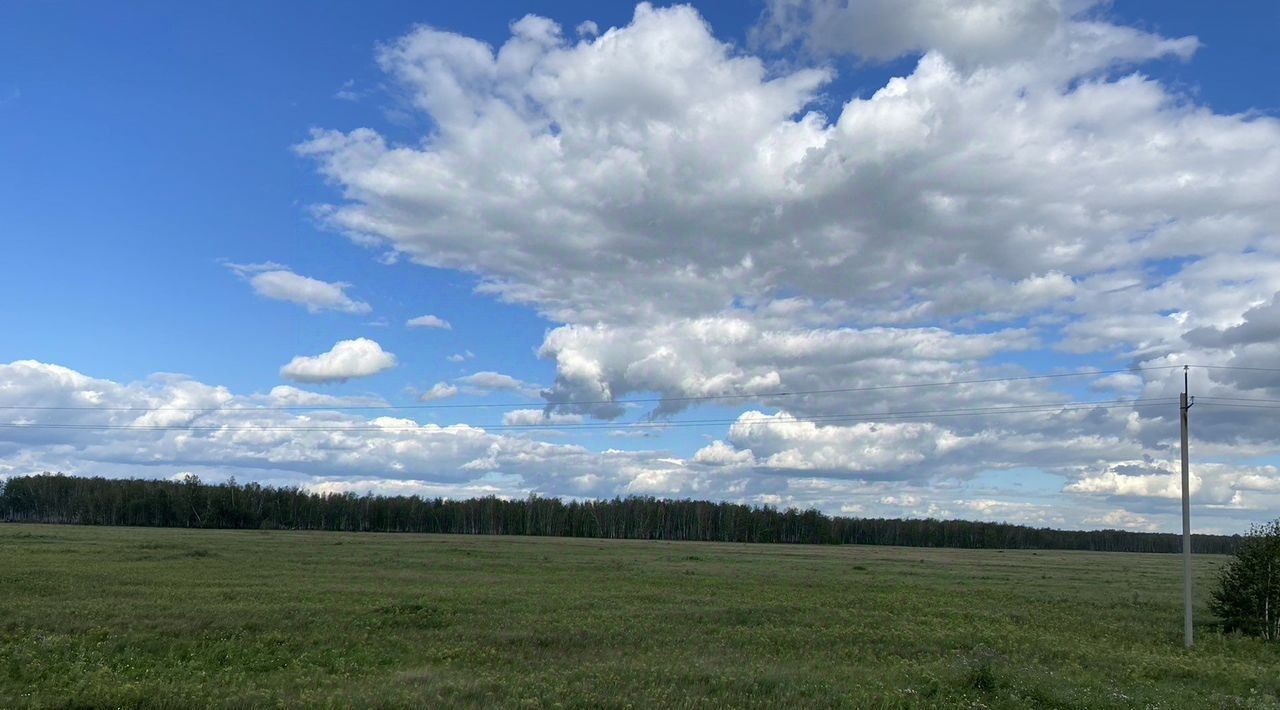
1234, 367
1238, 405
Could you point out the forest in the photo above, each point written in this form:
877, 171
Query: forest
191, 503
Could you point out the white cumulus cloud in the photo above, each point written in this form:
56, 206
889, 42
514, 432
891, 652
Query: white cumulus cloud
699, 227
487, 381
429, 321
440, 390
347, 359
536, 417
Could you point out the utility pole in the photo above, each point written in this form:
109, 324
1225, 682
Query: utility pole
1183, 406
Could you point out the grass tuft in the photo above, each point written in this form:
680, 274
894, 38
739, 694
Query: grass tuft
412, 615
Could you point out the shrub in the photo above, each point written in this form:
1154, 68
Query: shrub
1248, 595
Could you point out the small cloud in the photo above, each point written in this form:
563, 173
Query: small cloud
535, 417
348, 92
399, 117
587, 28
719, 453
439, 390
1123, 520
429, 321
488, 381
902, 501
346, 360
1119, 382
460, 357
287, 396
634, 433
277, 282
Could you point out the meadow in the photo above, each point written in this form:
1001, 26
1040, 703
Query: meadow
148, 617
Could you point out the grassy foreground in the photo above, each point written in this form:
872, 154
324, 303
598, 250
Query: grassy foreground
181, 618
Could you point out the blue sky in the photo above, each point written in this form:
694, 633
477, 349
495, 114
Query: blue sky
148, 146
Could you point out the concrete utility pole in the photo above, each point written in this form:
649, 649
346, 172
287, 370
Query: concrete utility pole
1184, 405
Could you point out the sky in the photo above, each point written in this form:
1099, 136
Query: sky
911, 258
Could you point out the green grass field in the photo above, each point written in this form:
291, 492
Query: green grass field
98, 617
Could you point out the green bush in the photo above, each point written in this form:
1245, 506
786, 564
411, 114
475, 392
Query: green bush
1248, 595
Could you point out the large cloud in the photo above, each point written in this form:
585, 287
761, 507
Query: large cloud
744, 355
633, 191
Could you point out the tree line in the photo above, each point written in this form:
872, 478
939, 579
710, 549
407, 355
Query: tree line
190, 502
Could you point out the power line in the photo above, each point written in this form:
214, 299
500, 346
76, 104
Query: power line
1234, 399
545, 403
1234, 367
1035, 408
1238, 405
